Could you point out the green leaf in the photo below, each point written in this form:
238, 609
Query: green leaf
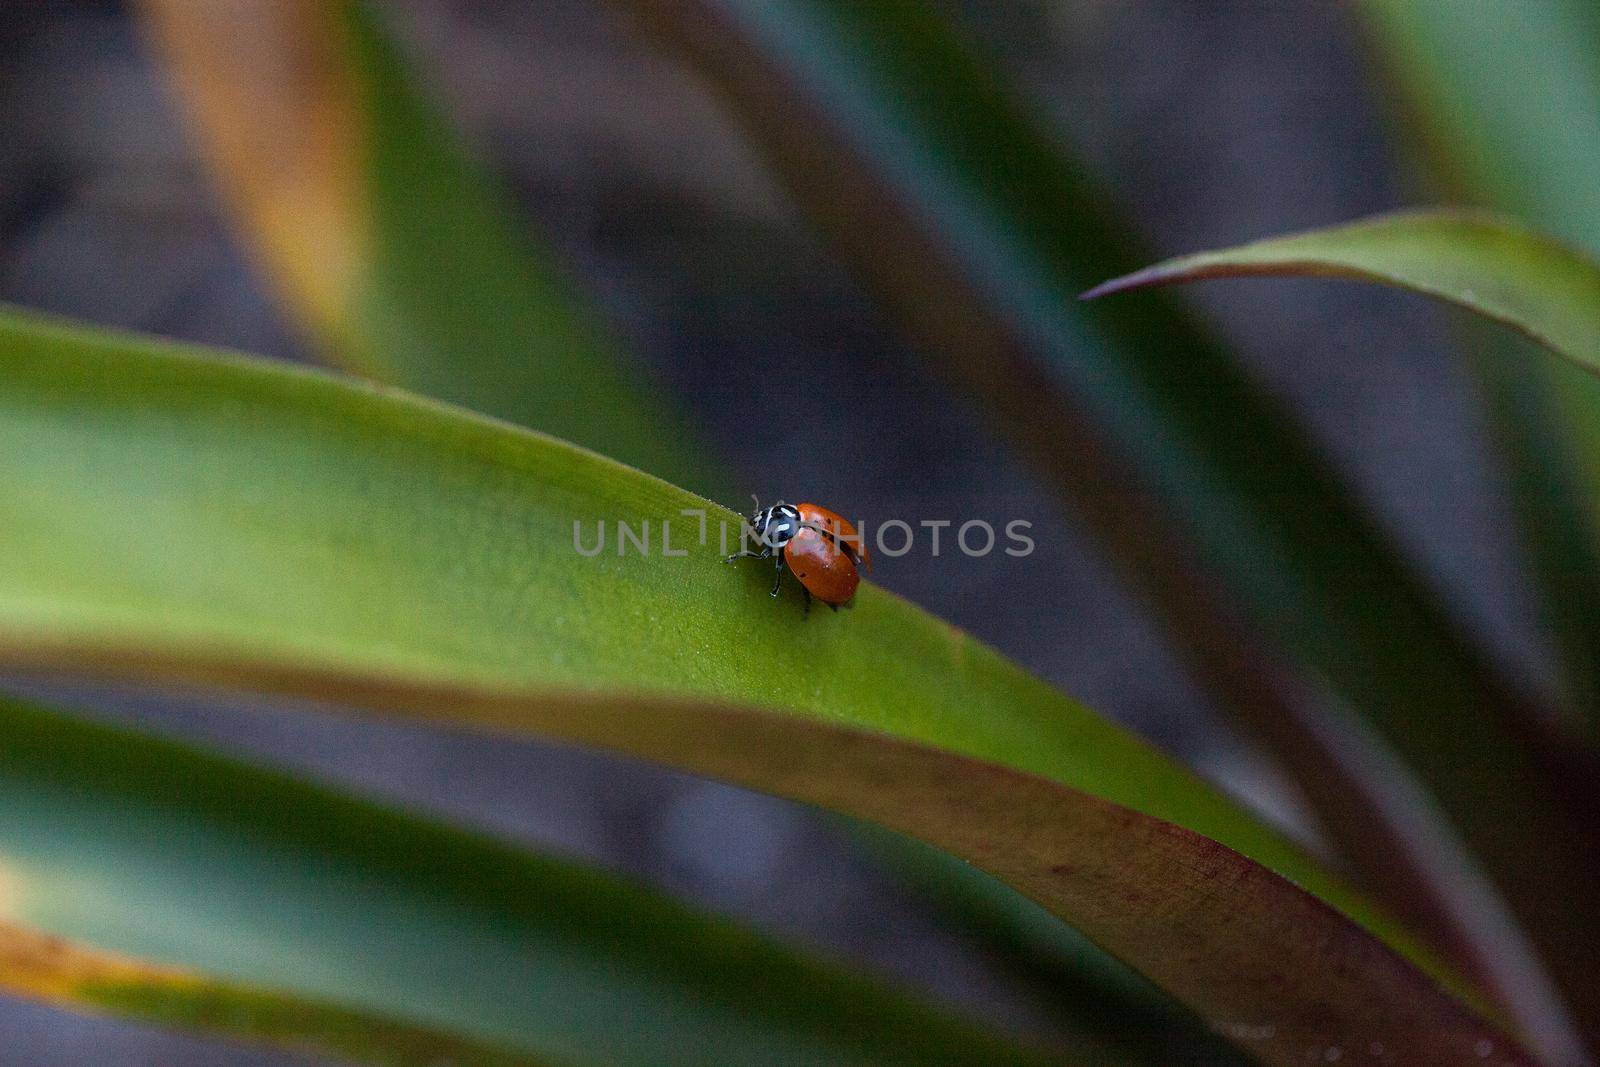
906, 144
390, 242
1088, 992
50, 969
1522, 138
1490, 265
445, 273
1545, 413
302, 916
225, 521
1504, 102
1268, 965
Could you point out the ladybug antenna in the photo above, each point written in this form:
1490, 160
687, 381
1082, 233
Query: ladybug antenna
756, 501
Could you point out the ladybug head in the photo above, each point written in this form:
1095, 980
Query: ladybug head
774, 526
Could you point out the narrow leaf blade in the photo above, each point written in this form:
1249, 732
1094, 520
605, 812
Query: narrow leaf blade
1489, 265
1522, 138
1505, 272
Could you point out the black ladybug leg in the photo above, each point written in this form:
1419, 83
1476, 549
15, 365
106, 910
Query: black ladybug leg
835, 608
807, 592
763, 554
778, 577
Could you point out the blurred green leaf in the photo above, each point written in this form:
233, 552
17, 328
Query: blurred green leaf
223, 521
1489, 265
1506, 100
327, 908
47, 968
391, 243
1502, 104
1480, 262
1089, 992
1268, 965
907, 146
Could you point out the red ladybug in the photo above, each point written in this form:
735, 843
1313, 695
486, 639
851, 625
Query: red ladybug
819, 546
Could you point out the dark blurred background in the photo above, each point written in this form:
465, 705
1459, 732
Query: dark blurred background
1214, 122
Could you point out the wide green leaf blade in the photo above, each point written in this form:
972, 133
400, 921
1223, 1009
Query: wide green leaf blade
908, 147
1489, 265
303, 916
390, 242
227, 519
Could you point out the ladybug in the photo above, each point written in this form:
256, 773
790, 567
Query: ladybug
819, 546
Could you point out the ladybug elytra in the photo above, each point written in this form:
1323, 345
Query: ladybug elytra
819, 547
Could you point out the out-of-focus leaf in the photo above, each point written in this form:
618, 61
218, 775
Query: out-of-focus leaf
223, 520
389, 241
908, 148
299, 915
1507, 100
1552, 497
50, 969
1089, 992
1272, 967
1489, 265
1480, 262
1503, 102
